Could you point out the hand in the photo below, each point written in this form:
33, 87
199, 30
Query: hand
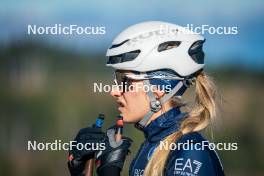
114, 154
78, 158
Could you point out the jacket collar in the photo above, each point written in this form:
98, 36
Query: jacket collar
164, 125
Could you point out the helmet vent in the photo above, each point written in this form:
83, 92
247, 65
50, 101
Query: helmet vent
168, 45
196, 52
117, 45
125, 57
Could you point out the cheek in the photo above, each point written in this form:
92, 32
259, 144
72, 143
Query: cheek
137, 106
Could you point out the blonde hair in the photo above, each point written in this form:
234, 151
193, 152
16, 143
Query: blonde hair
198, 118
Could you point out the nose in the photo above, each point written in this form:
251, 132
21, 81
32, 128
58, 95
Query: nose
115, 92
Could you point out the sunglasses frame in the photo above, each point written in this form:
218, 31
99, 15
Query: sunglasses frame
122, 80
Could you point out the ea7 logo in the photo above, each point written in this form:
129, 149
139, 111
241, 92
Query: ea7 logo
187, 166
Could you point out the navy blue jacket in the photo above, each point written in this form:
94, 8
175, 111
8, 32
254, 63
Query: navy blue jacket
181, 162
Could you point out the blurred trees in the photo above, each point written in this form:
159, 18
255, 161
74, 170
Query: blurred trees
46, 93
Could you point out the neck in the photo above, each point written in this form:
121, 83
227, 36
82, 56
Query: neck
165, 107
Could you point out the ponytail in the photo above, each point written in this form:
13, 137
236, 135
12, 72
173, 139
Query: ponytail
198, 118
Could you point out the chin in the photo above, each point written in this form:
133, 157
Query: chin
130, 119
127, 121
127, 118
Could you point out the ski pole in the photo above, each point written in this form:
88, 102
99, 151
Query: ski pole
90, 163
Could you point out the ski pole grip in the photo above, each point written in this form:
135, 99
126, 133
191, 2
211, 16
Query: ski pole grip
119, 128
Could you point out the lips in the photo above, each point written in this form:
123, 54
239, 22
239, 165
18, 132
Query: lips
120, 104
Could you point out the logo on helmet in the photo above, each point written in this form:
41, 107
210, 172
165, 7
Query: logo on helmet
147, 36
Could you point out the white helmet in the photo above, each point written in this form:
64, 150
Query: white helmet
157, 45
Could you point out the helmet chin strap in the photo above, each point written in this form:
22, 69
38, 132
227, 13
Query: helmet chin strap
155, 104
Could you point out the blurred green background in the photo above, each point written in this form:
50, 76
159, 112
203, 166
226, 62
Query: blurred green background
46, 90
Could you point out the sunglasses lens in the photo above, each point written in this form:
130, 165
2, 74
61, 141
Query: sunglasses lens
119, 77
122, 80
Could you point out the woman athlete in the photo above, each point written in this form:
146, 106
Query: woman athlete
155, 63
